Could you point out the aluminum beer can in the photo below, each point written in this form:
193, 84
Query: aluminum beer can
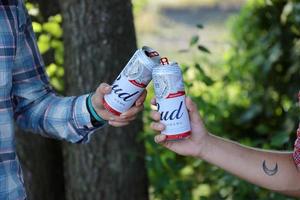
170, 100
131, 82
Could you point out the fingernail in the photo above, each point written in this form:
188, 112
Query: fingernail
111, 118
123, 116
159, 126
138, 103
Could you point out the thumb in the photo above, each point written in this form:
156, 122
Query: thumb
103, 89
193, 110
162, 139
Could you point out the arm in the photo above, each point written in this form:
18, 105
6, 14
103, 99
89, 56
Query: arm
39, 109
36, 106
269, 169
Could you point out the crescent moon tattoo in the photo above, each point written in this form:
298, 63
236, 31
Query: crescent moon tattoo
268, 171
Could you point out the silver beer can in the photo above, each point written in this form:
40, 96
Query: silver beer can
132, 81
170, 100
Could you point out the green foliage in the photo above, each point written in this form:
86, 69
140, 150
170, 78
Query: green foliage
49, 37
251, 98
139, 5
264, 61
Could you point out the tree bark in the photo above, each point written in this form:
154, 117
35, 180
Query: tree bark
41, 158
42, 166
99, 39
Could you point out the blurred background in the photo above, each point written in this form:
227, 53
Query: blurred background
241, 64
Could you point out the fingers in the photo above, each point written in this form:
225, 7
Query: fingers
153, 101
160, 138
117, 124
124, 119
106, 115
193, 110
141, 99
130, 118
157, 126
190, 105
133, 111
155, 115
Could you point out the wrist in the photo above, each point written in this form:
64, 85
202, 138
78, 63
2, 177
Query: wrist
96, 119
202, 145
94, 104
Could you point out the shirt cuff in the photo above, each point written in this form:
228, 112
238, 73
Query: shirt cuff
82, 119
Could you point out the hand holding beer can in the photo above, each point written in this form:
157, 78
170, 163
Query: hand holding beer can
132, 81
170, 100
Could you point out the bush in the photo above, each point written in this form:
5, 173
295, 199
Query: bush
250, 99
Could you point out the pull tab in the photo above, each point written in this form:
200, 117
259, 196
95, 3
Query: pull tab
151, 54
164, 61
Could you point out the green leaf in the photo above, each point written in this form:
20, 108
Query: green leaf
279, 139
56, 18
208, 81
199, 68
37, 27
53, 28
203, 49
252, 112
203, 77
44, 43
194, 40
200, 26
188, 85
184, 71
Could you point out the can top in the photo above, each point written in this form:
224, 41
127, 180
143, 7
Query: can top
164, 61
150, 52
170, 68
149, 55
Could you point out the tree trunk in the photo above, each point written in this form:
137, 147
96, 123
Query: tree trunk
99, 39
41, 161
41, 158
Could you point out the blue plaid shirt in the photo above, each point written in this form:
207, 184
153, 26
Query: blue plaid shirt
27, 98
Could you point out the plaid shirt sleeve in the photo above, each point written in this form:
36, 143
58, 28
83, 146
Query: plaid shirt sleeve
37, 107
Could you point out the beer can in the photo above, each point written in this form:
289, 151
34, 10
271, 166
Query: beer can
131, 82
170, 100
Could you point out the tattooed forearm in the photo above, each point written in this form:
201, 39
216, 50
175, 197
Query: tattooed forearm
268, 171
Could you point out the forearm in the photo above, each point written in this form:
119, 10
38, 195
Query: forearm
64, 118
272, 170
36, 106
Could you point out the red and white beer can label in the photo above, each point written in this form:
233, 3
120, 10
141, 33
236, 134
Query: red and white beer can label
131, 82
170, 99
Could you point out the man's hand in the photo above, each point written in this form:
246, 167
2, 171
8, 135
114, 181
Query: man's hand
190, 146
124, 118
